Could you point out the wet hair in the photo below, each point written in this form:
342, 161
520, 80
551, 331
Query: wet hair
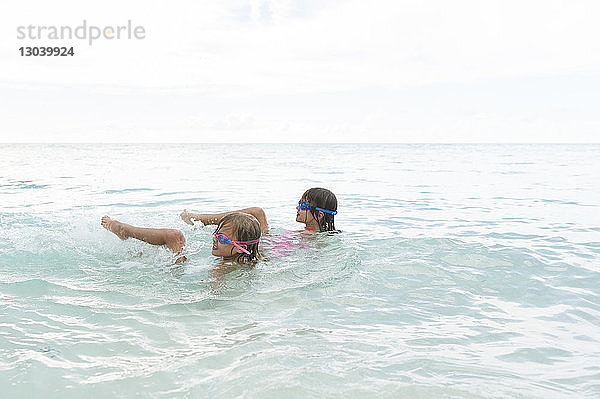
245, 227
322, 198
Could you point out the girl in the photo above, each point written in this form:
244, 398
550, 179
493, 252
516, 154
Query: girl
316, 210
235, 239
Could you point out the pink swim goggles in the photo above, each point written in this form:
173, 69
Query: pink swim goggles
223, 239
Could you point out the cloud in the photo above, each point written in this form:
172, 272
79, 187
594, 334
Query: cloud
235, 122
277, 70
342, 46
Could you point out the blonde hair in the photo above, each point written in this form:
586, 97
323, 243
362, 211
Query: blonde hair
245, 227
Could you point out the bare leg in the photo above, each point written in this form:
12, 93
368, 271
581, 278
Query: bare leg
173, 239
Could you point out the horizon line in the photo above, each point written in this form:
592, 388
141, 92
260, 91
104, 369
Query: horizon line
320, 142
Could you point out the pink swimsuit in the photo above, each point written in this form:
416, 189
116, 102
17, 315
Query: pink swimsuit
285, 243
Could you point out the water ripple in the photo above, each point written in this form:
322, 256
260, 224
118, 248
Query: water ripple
462, 271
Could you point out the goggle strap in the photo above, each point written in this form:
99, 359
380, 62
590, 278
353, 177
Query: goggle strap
305, 205
230, 241
240, 248
326, 211
249, 242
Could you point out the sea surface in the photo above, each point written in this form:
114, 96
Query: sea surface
462, 271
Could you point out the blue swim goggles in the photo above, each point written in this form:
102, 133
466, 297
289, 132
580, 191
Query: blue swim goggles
305, 205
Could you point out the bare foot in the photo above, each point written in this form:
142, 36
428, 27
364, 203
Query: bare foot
114, 226
187, 217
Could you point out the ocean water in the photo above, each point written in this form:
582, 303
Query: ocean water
463, 271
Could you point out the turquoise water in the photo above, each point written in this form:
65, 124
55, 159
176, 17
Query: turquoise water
463, 271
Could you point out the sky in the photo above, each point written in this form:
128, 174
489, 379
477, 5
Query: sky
306, 71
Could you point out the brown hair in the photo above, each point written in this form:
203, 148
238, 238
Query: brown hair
322, 198
245, 227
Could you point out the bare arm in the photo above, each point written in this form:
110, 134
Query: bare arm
215, 218
205, 218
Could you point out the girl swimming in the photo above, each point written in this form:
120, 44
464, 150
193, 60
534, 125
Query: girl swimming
316, 210
236, 238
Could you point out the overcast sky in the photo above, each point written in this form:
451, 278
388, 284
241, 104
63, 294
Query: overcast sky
307, 71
